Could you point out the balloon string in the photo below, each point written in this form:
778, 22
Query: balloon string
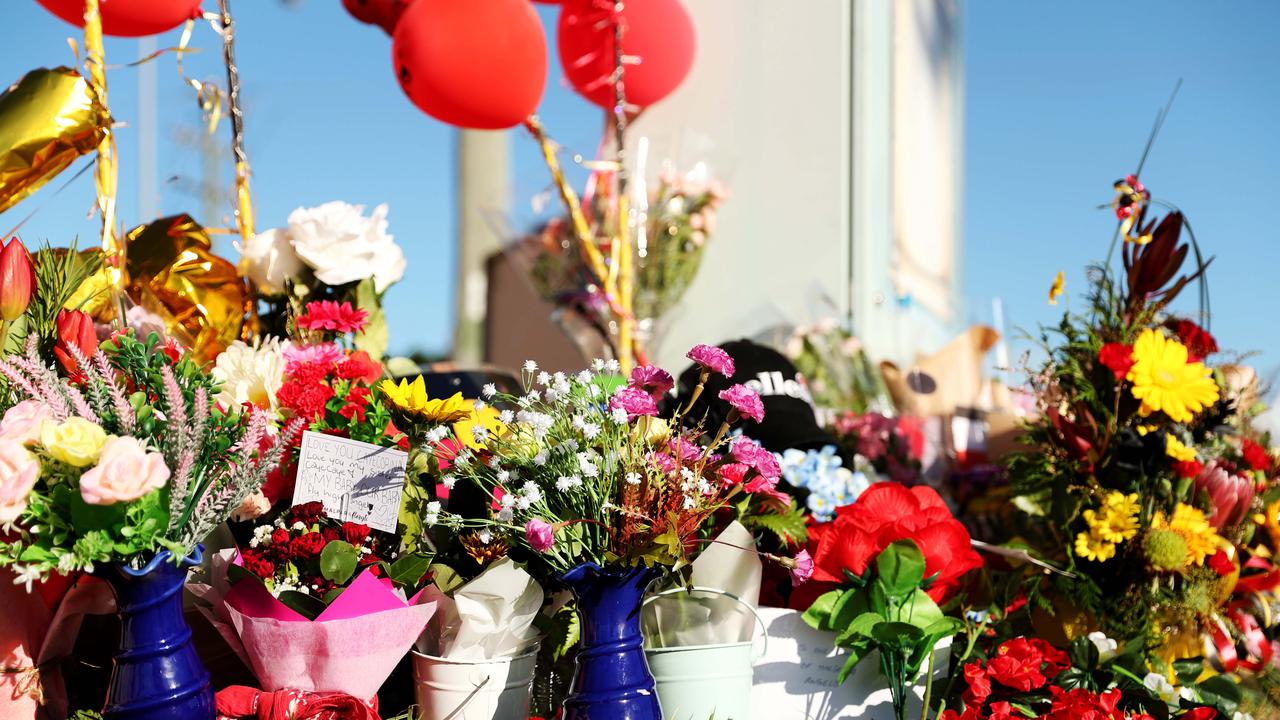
106, 173
244, 199
627, 340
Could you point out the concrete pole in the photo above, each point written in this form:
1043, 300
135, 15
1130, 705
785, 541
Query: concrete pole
484, 202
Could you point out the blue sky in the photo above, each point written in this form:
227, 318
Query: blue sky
1060, 98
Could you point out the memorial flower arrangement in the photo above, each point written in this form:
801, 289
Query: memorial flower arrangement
841, 377
575, 472
881, 571
124, 456
1142, 476
891, 445
331, 252
828, 482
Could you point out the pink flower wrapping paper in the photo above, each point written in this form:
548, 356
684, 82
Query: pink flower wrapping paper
350, 648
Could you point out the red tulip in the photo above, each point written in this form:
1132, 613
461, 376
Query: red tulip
75, 329
17, 280
1229, 493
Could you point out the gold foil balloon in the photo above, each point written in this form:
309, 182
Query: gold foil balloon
173, 273
47, 120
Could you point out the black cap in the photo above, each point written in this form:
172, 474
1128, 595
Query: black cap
789, 417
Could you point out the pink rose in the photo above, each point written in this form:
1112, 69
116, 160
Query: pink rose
540, 534
18, 472
125, 471
21, 422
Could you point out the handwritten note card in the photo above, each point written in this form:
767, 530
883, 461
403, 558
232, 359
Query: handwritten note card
356, 481
796, 677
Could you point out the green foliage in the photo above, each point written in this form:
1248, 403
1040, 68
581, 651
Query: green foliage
373, 339
338, 561
788, 526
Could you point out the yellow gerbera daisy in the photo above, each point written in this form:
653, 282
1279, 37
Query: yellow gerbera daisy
1193, 526
1163, 380
1092, 547
1174, 448
410, 399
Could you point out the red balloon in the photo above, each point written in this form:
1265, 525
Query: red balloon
657, 32
383, 13
472, 63
129, 18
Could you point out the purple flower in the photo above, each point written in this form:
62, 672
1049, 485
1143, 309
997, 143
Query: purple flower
745, 400
634, 401
712, 358
653, 380
803, 569
540, 534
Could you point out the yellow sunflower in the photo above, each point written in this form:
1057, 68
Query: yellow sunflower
410, 400
1163, 380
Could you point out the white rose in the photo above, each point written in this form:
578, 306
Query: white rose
268, 260
341, 245
250, 374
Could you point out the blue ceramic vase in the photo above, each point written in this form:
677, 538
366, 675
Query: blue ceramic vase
612, 679
156, 674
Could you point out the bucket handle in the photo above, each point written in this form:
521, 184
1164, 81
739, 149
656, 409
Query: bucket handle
764, 629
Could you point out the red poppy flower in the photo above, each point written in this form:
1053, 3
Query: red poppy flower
1117, 357
887, 512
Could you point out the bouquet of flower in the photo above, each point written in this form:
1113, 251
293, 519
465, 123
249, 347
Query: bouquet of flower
1140, 480
320, 378
126, 457
331, 252
835, 364
891, 445
880, 573
1027, 677
576, 472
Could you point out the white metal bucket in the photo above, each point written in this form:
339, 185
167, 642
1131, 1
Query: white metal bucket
696, 682
496, 689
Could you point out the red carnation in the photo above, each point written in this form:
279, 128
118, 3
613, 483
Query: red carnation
306, 513
307, 546
352, 411
1200, 344
279, 536
255, 563
887, 512
330, 534
1117, 357
332, 316
1255, 456
306, 399
1188, 468
355, 533
360, 366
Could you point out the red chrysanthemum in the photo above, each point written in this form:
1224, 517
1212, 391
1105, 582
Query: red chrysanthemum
1116, 357
332, 316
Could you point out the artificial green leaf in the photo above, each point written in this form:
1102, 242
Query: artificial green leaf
1188, 670
856, 654
896, 635
1084, 654
851, 604
920, 610
860, 626
338, 561
818, 616
308, 606
900, 568
1074, 678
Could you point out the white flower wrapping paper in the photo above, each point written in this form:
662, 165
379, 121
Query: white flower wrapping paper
730, 564
488, 617
352, 655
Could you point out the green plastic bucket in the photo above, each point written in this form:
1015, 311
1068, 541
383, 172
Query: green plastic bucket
699, 682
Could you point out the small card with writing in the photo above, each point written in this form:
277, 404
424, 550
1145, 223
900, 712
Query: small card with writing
795, 679
356, 481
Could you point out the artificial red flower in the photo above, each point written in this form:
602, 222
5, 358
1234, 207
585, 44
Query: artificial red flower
1188, 468
306, 513
1017, 666
979, 684
1055, 660
1221, 563
355, 533
75, 330
887, 512
332, 316
307, 545
1200, 713
1255, 456
360, 366
1200, 344
1002, 711
1117, 357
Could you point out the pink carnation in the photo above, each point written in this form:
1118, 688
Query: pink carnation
325, 354
634, 401
684, 449
712, 358
731, 474
803, 569
653, 380
333, 316
745, 400
750, 453
540, 534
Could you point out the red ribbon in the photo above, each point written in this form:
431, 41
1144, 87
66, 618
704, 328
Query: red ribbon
245, 703
1268, 579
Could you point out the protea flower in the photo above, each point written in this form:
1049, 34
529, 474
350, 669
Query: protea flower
1229, 493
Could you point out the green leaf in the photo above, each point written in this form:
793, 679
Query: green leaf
788, 526
851, 604
920, 610
861, 626
900, 568
1221, 692
373, 339
332, 595
1188, 670
308, 606
1074, 678
818, 616
856, 654
338, 561
409, 568
1084, 654
896, 635
564, 632
445, 578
